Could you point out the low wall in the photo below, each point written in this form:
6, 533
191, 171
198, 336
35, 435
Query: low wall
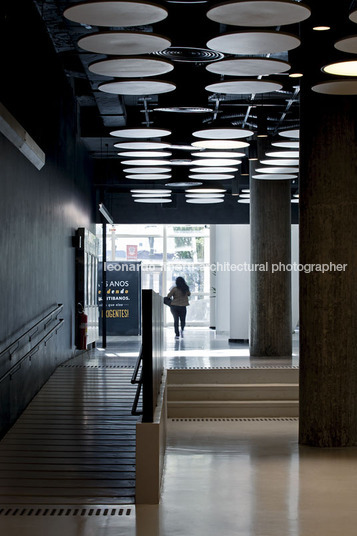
150, 451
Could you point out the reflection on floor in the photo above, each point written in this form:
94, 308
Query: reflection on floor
241, 477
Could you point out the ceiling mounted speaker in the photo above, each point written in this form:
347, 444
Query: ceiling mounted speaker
259, 13
131, 67
119, 13
248, 67
137, 87
123, 43
243, 87
254, 42
140, 133
223, 133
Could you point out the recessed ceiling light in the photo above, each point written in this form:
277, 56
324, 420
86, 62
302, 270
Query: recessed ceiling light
223, 133
342, 68
216, 162
321, 28
220, 144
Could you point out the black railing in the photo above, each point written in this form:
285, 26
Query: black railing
25, 342
151, 359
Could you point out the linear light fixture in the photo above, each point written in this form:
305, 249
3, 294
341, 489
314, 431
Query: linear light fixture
105, 213
22, 140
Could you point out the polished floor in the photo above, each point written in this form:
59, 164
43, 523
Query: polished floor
245, 477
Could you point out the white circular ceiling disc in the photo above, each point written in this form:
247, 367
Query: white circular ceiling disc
138, 145
242, 87
216, 162
259, 13
116, 13
137, 87
286, 144
292, 133
274, 176
280, 162
248, 67
279, 169
147, 170
337, 87
220, 144
140, 133
254, 42
145, 162
153, 200
153, 192
283, 154
131, 67
213, 170
218, 154
348, 44
223, 133
213, 177
148, 176
205, 201
145, 154
123, 43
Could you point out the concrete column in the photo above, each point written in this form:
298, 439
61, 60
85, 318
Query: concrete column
328, 299
270, 223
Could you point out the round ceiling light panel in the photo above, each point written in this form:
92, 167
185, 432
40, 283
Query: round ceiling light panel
213, 177
182, 184
145, 154
223, 133
184, 110
140, 133
142, 145
220, 144
123, 43
147, 170
204, 196
286, 144
292, 133
274, 176
147, 191
148, 176
142, 196
218, 154
259, 13
254, 42
216, 162
208, 169
348, 44
144, 162
205, 190
283, 154
353, 16
342, 68
137, 87
205, 201
276, 170
248, 67
337, 87
244, 201
280, 162
243, 87
153, 200
131, 67
116, 13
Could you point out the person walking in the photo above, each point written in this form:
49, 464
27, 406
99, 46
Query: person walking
180, 294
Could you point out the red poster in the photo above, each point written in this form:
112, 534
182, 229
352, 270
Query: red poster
131, 253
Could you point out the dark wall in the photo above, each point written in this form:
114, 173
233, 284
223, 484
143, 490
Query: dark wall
39, 210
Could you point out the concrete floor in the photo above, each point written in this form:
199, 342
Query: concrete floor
231, 477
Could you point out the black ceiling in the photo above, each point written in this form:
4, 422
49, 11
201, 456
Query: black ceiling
189, 29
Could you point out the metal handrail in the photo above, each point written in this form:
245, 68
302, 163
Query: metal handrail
134, 379
32, 331
15, 368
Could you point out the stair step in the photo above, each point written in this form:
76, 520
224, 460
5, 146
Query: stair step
233, 376
223, 392
234, 408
